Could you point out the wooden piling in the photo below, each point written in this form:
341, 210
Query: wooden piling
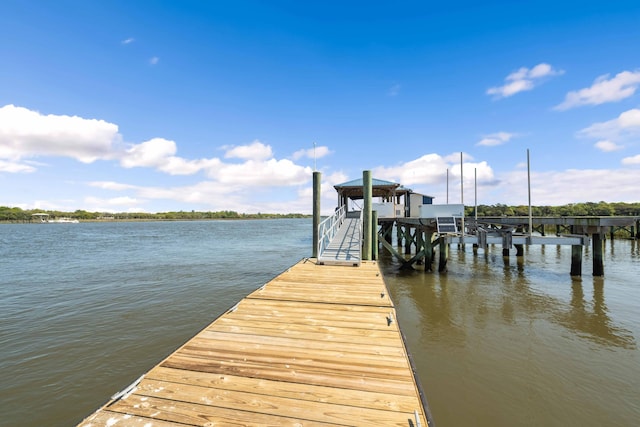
366, 217
576, 260
316, 211
428, 251
598, 250
374, 235
519, 250
444, 255
419, 244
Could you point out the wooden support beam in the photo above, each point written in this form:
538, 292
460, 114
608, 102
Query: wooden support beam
408, 240
386, 229
417, 237
394, 252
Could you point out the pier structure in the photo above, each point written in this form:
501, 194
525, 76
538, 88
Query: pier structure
318, 345
422, 228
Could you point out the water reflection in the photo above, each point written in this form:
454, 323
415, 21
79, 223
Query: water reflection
473, 289
592, 320
521, 342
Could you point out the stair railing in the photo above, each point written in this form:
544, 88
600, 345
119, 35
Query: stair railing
329, 227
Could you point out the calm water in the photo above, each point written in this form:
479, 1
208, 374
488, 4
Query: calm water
86, 308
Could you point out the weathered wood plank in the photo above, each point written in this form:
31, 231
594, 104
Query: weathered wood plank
273, 355
390, 380
108, 418
307, 341
190, 414
339, 335
380, 399
268, 404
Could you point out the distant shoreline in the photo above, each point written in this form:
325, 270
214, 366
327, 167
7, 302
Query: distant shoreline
16, 221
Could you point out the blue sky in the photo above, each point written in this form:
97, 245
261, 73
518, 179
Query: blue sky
155, 106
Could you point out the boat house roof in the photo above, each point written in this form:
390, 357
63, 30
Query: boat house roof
379, 188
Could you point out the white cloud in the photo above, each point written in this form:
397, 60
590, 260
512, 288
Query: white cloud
585, 185
634, 160
522, 80
128, 41
607, 146
112, 202
318, 152
432, 169
603, 89
154, 60
152, 153
15, 167
110, 185
254, 151
625, 125
267, 173
159, 153
455, 158
25, 133
497, 138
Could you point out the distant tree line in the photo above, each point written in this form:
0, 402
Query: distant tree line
573, 209
8, 214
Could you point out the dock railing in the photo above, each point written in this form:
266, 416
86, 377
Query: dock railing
329, 227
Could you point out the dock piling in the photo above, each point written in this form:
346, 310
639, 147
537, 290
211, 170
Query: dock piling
598, 249
576, 260
366, 217
316, 211
444, 255
374, 235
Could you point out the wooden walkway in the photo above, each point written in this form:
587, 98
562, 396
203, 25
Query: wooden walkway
345, 247
317, 345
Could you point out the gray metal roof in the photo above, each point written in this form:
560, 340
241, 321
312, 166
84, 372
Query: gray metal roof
374, 182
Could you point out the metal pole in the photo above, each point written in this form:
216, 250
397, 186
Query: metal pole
475, 184
447, 185
462, 196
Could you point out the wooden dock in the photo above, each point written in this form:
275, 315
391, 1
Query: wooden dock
317, 345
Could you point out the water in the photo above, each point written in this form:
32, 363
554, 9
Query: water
521, 343
87, 308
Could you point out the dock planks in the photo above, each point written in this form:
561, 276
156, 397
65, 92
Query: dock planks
317, 345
